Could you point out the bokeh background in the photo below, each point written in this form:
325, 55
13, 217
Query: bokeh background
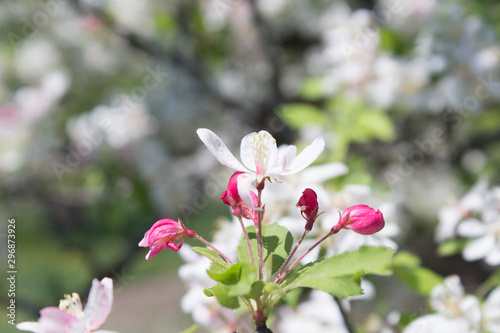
100, 101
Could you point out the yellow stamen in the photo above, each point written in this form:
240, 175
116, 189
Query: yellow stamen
72, 305
262, 144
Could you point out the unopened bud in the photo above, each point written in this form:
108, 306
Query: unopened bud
361, 219
308, 204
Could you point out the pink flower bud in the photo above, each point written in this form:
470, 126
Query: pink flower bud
163, 234
361, 219
232, 198
308, 204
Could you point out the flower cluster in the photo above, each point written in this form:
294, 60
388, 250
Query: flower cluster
263, 164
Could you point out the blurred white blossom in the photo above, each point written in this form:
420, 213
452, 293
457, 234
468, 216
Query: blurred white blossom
120, 124
476, 217
319, 314
456, 311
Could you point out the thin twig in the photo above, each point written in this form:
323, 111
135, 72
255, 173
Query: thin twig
279, 278
345, 316
201, 239
292, 253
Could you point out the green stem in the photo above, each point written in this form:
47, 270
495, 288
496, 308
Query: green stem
198, 237
259, 232
247, 239
487, 285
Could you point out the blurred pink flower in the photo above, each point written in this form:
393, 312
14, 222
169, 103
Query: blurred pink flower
361, 219
163, 234
308, 204
69, 317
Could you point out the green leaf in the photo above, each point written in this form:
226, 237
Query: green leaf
230, 275
405, 259
393, 42
486, 121
407, 268
276, 245
311, 88
215, 269
237, 279
375, 124
248, 275
212, 255
340, 275
191, 329
257, 289
452, 247
220, 291
297, 115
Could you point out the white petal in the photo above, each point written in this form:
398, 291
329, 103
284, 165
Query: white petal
471, 310
474, 200
219, 149
324, 172
99, 303
491, 311
31, 326
306, 157
286, 156
479, 248
436, 323
247, 151
272, 150
245, 181
493, 258
448, 220
493, 299
471, 228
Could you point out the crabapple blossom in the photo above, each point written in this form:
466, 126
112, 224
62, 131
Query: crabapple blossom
483, 229
361, 219
69, 317
163, 234
261, 158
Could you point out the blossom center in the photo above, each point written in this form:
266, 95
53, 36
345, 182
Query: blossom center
262, 144
72, 305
